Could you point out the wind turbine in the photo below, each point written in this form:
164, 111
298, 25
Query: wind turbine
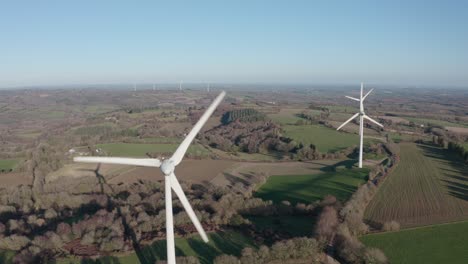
171, 183
362, 115
180, 85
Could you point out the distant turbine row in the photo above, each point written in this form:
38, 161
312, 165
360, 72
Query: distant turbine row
180, 87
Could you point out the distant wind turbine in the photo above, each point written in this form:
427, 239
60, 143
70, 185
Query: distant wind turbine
180, 85
362, 115
134, 87
208, 88
171, 183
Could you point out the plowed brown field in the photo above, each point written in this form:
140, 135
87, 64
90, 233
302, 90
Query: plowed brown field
428, 186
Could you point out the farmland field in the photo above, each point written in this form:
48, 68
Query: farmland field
140, 150
312, 187
192, 170
461, 130
444, 243
297, 226
428, 186
228, 242
435, 122
324, 138
7, 164
286, 116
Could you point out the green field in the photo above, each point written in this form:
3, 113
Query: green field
403, 137
6, 256
297, 226
437, 244
341, 108
428, 186
324, 138
309, 188
140, 150
435, 122
228, 242
8, 164
289, 116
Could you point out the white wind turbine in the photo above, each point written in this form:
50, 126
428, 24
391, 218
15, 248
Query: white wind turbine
171, 183
362, 115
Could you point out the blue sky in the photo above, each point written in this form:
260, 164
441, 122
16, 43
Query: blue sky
417, 43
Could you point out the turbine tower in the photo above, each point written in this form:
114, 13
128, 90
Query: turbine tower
180, 85
171, 183
208, 88
362, 115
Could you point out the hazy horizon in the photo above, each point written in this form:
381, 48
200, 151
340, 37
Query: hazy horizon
417, 44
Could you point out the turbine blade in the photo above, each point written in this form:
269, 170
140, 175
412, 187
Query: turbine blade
183, 199
169, 223
122, 161
180, 152
373, 121
352, 98
347, 121
362, 88
367, 94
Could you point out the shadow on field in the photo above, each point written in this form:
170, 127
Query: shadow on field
456, 178
234, 179
128, 231
308, 190
348, 164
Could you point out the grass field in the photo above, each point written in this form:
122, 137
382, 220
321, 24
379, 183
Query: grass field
6, 256
324, 138
428, 186
426, 121
437, 244
289, 116
228, 242
309, 188
403, 137
297, 226
286, 116
8, 164
140, 150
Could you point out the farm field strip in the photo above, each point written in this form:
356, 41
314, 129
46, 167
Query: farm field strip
8, 164
312, 187
418, 120
140, 150
286, 116
324, 138
428, 186
436, 244
228, 242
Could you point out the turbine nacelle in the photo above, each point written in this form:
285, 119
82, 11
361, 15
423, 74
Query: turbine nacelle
167, 167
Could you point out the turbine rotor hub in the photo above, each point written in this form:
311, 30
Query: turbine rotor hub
167, 167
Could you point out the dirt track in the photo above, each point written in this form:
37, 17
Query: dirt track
461, 130
14, 179
244, 169
188, 170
